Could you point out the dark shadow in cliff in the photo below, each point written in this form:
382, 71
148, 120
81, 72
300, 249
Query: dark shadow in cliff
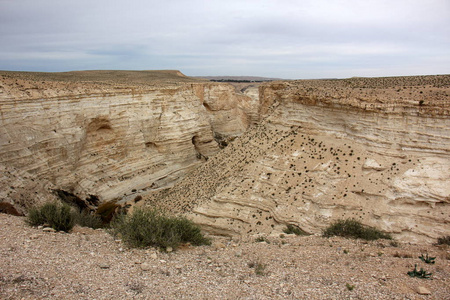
91, 202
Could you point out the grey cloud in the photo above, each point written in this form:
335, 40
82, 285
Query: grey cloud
286, 38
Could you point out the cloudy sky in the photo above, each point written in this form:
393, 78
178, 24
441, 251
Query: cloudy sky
273, 38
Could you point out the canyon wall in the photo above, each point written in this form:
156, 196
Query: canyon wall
112, 139
376, 150
300, 152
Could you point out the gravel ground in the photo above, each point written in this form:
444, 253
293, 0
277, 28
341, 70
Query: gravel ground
90, 264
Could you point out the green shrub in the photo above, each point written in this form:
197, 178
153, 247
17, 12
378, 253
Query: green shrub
57, 216
291, 229
352, 228
427, 259
152, 227
419, 274
87, 219
190, 233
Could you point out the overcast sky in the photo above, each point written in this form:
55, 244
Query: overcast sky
273, 38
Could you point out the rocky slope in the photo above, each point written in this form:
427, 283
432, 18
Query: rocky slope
112, 134
372, 149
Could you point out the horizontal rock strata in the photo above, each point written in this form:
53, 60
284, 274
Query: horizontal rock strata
376, 150
113, 134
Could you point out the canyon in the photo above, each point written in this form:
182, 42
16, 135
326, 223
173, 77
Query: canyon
376, 150
111, 134
239, 161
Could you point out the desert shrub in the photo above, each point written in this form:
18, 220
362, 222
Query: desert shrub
445, 240
87, 219
153, 227
419, 274
428, 259
190, 233
351, 228
258, 266
291, 229
58, 216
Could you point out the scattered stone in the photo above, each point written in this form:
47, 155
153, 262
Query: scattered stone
104, 266
34, 236
145, 267
179, 268
169, 249
48, 229
154, 255
421, 290
218, 245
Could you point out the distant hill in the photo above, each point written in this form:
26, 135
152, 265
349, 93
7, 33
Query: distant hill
238, 78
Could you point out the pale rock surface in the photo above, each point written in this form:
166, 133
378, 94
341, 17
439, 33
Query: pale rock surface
421, 290
24, 190
113, 134
372, 149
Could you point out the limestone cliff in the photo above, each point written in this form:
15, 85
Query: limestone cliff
113, 133
373, 149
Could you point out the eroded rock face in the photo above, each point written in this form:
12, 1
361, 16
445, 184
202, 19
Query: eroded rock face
23, 190
113, 134
327, 150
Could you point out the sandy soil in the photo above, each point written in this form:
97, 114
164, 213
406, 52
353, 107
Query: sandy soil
91, 264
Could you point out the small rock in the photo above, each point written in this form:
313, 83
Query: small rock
218, 245
179, 269
48, 229
40, 227
169, 249
154, 255
421, 290
34, 236
145, 267
104, 266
